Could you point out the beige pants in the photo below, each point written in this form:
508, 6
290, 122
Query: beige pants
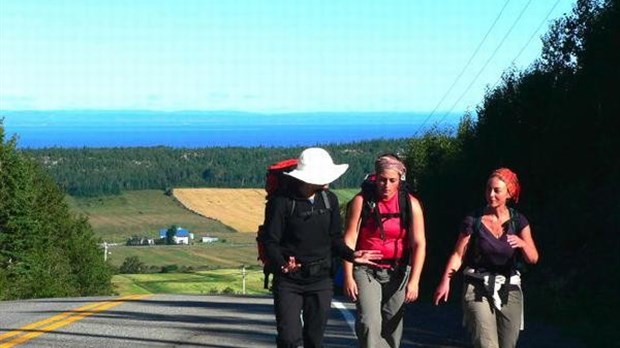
489, 327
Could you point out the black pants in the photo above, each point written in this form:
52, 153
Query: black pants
312, 301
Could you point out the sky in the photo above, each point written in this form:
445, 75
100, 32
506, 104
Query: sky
269, 56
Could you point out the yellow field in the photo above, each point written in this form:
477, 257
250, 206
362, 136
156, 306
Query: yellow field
241, 209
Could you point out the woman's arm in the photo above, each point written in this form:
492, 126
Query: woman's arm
351, 230
417, 236
454, 263
525, 242
273, 229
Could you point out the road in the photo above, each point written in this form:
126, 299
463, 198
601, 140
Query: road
210, 321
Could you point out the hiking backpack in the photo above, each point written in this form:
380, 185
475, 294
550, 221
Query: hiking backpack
472, 255
276, 183
370, 208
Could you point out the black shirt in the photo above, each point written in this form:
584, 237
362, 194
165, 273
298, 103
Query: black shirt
310, 232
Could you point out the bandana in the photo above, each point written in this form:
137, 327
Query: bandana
512, 182
384, 163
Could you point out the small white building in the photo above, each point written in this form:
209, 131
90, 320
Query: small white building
182, 236
207, 239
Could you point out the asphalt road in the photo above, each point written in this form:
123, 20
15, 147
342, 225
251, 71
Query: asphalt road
211, 321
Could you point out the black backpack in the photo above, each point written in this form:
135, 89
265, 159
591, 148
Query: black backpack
276, 183
472, 255
369, 207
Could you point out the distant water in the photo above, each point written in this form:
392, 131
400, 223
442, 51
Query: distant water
38, 129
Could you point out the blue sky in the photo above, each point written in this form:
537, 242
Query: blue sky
263, 56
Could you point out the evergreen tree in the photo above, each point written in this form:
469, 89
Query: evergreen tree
45, 251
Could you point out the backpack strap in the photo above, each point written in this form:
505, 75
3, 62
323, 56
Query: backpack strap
325, 200
473, 253
404, 205
326, 203
477, 226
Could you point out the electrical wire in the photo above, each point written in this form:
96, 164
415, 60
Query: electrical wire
487, 62
530, 39
464, 68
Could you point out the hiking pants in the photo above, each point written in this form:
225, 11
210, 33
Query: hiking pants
489, 327
311, 301
380, 305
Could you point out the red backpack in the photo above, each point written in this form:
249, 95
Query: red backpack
275, 182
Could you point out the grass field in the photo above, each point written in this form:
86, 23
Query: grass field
235, 252
205, 282
143, 213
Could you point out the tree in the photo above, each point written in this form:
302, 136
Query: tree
170, 234
555, 124
45, 251
132, 265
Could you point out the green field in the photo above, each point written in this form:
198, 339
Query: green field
204, 282
142, 213
234, 252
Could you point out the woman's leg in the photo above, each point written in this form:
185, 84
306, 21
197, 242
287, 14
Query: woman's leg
509, 322
393, 308
316, 306
479, 317
368, 323
287, 300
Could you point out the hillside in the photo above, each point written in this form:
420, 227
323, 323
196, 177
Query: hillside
94, 172
241, 209
141, 213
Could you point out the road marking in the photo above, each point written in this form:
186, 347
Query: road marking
47, 325
348, 317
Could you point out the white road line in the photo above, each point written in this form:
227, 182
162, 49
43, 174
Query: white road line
350, 319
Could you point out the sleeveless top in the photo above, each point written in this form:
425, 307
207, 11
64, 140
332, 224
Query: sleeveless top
396, 239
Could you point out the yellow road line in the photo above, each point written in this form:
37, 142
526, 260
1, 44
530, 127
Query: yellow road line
61, 320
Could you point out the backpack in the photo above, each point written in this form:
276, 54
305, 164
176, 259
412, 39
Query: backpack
370, 208
473, 255
276, 183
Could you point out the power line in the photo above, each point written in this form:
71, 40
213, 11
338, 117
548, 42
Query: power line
464, 68
487, 62
530, 39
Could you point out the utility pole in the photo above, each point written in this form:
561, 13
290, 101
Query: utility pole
105, 251
243, 273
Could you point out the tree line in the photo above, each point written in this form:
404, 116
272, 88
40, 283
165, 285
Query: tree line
107, 171
556, 124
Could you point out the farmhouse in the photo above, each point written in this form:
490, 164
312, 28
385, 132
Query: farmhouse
182, 236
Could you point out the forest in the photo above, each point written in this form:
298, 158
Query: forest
555, 124
105, 171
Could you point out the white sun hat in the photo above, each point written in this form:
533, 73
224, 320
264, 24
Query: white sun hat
315, 166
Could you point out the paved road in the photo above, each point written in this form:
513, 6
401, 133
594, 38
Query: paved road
209, 321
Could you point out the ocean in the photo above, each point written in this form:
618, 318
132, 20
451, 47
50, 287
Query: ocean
194, 129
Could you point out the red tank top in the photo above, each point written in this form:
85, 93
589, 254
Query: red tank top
396, 241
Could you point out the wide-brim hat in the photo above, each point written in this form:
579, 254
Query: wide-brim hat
315, 166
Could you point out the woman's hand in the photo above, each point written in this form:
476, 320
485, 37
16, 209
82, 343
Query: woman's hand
411, 292
515, 242
366, 257
350, 288
291, 266
442, 292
